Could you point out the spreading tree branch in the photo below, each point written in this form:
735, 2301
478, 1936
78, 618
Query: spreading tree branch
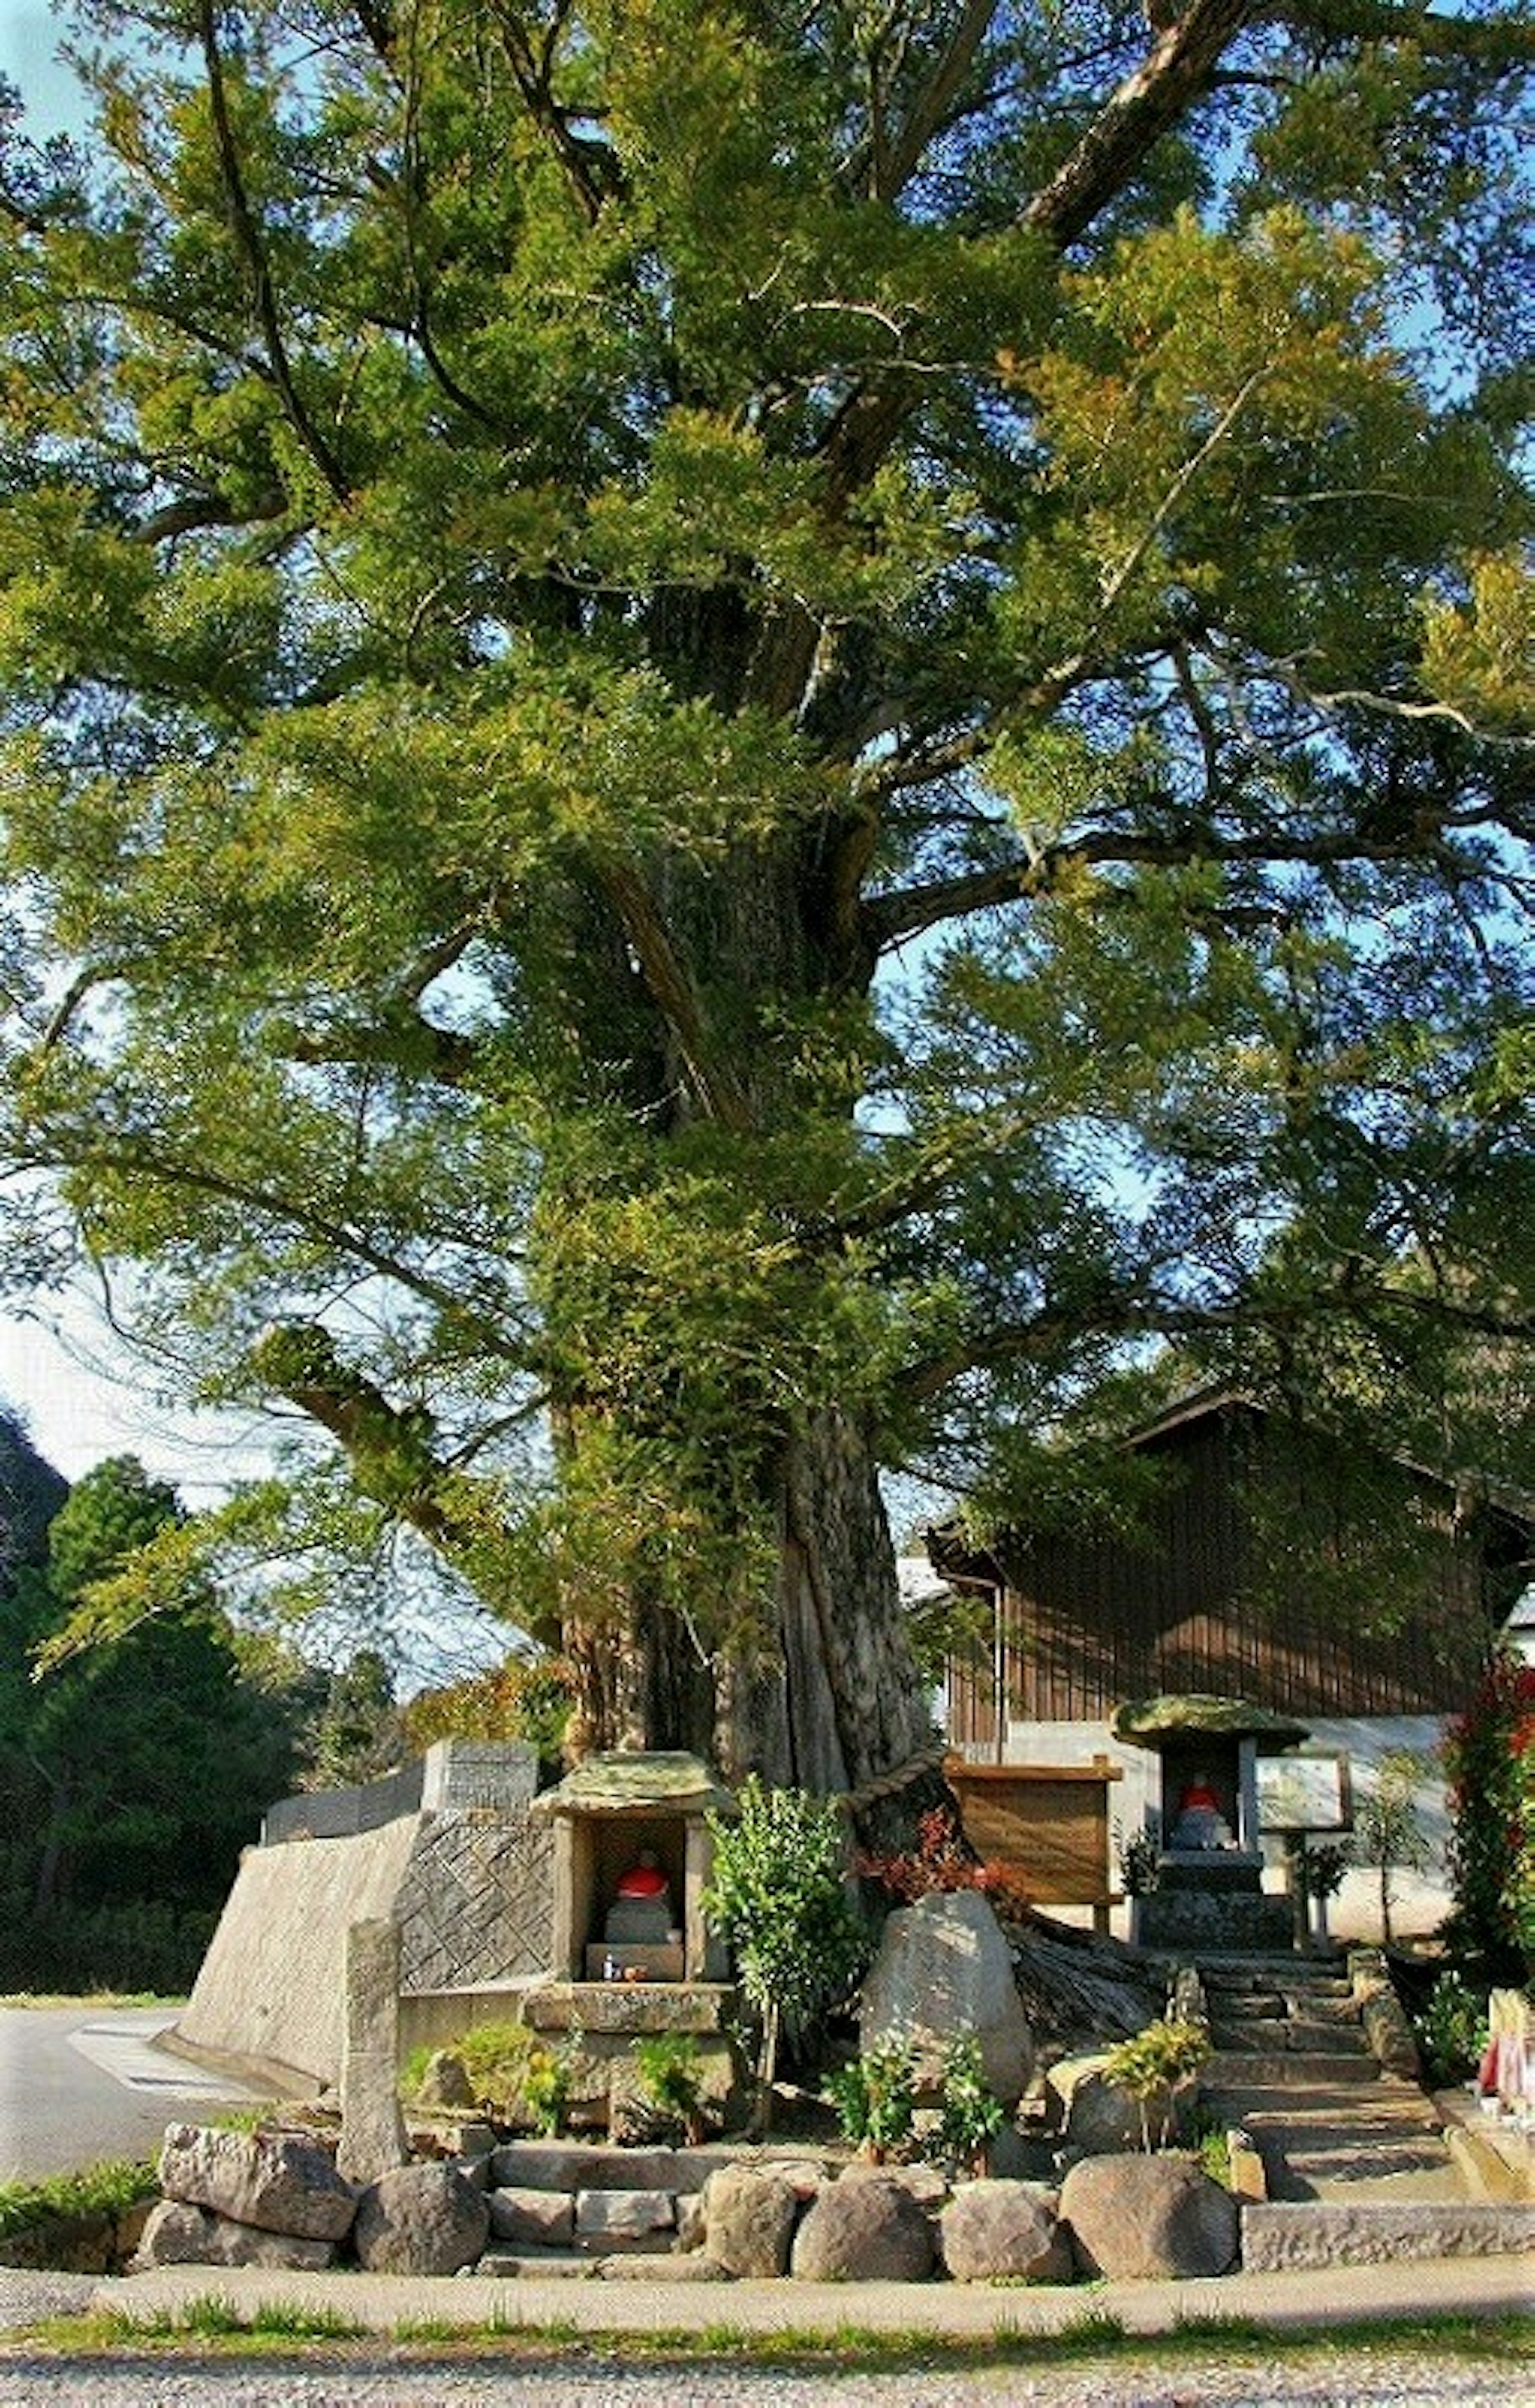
252, 252
1147, 105
673, 993
391, 1450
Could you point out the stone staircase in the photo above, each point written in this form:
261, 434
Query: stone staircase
1294, 2069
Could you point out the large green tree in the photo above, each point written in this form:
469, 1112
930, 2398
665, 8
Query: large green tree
741, 737
137, 1770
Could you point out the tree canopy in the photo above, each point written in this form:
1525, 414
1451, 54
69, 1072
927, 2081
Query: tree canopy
130, 1777
740, 741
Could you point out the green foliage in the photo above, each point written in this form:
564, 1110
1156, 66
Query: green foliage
1450, 2028
514, 2076
124, 1945
110, 2188
1137, 1853
1154, 2064
1211, 2147
778, 1895
529, 1698
971, 2114
547, 2084
357, 1730
1489, 1760
1387, 1828
875, 2097
132, 1774
668, 2069
832, 728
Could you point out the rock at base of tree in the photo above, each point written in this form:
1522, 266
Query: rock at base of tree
869, 2230
748, 2219
445, 2085
178, 2234
277, 2181
421, 2220
944, 1971
991, 2230
1133, 2217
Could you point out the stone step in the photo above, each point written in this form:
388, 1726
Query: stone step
1292, 2040
1269, 1974
1244, 2069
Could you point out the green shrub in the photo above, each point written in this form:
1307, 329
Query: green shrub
109, 2189
668, 2069
547, 2087
515, 2078
971, 2114
875, 2097
1489, 1762
1155, 2064
779, 1896
1451, 2029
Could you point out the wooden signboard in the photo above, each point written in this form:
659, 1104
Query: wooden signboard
1048, 1824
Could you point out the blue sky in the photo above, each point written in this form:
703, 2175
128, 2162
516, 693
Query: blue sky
29, 37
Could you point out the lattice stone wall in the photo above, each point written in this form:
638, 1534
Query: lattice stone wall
477, 1901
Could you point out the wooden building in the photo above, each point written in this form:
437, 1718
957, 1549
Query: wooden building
1264, 1565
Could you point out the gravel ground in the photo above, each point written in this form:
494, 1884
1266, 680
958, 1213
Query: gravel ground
1343, 2379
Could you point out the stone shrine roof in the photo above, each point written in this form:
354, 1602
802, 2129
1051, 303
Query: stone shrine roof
629, 1782
1145, 1722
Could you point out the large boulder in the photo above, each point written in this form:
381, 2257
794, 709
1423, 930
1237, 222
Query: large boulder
178, 2234
277, 2180
868, 2230
1100, 2119
749, 2220
994, 2230
421, 2220
1138, 2216
945, 1971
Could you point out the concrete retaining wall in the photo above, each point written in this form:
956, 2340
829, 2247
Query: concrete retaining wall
468, 1876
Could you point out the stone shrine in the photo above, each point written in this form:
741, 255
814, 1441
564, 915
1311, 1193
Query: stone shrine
1208, 1892
631, 1950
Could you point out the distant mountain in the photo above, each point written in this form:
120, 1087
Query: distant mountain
31, 1492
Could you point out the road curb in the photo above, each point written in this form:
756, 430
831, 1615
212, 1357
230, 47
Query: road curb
1332, 2296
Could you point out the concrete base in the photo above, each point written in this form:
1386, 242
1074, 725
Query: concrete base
1211, 1920
468, 1876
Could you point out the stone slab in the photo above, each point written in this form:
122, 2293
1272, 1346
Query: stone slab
625, 2216
629, 2007
1288, 2069
1279, 2237
542, 2219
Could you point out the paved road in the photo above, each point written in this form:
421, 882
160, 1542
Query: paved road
81, 2084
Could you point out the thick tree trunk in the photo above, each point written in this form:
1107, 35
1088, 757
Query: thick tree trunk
807, 1677
829, 1698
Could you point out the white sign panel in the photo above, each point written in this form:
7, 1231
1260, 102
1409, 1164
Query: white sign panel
1304, 1793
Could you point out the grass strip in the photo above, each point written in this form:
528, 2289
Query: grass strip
109, 2189
212, 2326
